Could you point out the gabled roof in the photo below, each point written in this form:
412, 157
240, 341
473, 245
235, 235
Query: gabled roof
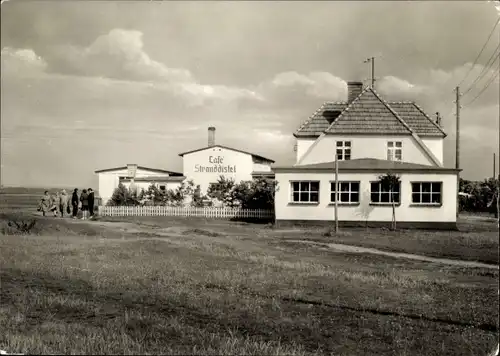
408, 111
365, 165
154, 170
368, 113
157, 179
228, 148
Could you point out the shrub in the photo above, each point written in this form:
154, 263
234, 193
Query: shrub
253, 194
124, 196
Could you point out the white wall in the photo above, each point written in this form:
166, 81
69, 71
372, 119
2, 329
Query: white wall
108, 181
436, 145
364, 211
238, 166
303, 145
369, 147
107, 184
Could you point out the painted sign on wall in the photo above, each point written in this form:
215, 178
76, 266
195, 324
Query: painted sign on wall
215, 165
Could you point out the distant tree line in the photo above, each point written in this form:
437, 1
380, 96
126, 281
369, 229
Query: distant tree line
482, 196
252, 194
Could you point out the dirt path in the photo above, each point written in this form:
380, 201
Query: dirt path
164, 233
357, 249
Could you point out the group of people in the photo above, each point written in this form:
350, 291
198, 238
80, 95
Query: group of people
60, 203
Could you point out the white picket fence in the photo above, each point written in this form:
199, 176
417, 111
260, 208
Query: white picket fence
209, 212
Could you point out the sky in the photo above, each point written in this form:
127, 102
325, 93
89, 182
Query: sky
88, 85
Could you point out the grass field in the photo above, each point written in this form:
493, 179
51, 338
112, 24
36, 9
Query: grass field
195, 286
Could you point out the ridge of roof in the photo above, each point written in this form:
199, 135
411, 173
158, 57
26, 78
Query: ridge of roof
227, 148
369, 88
138, 167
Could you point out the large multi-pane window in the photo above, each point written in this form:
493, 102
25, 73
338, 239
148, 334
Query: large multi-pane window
426, 193
381, 195
394, 150
305, 192
348, 192
343, 150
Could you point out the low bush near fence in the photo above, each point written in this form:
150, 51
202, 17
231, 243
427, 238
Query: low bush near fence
209, 212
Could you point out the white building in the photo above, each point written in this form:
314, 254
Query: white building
141, 177
371, 137
205, 165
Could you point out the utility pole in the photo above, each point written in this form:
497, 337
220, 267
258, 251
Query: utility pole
498, 180
457, 149
494, 165
336, 191
372, 60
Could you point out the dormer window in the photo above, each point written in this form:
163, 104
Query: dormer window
395, 151
343, 150
331, 115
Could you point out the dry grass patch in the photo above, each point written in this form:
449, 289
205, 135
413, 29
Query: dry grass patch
214, 294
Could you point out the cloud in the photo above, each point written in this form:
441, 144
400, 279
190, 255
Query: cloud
21, 61
399, 89
119, 55
321, 85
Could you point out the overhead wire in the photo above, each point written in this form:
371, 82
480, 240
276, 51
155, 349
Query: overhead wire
492, 79
494, 56
480, 52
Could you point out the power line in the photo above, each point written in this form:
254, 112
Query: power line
486, 68
492, 79
482, 49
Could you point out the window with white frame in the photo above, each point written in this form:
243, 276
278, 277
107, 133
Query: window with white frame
426, 192
394, 150
381, 195
343, 150
305, 192
348, 192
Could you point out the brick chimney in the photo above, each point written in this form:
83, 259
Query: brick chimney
211, 136
353, 90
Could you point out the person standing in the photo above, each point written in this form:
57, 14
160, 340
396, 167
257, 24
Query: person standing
84, 199
44, 203
54, 203
74, 202
63, 202
91, 202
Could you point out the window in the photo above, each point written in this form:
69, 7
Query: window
344, 150
426, 193
394, 150
162, 187
305, 192
380, 195
348, 192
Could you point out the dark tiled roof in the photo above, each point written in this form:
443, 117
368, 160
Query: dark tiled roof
365, 164
175, 174
417, 119
318, 122
228, 148
368, 114
409, 112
